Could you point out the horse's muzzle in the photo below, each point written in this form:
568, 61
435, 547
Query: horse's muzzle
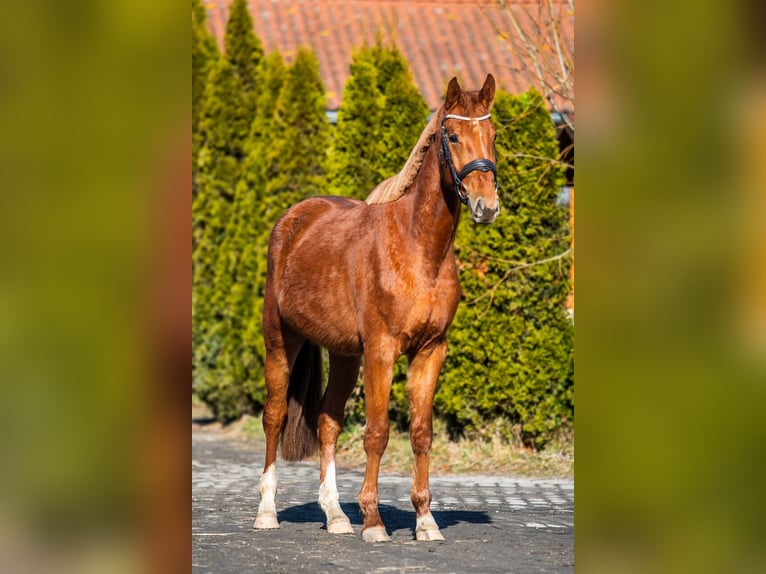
481, 212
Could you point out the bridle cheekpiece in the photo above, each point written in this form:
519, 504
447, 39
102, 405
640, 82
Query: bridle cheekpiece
481, 164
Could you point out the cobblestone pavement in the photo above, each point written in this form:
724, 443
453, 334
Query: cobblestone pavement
491, 523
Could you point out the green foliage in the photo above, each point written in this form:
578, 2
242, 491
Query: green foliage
286, 156
223, 132
198, 11
379, 121
297, 158
204, 55
243, 49
511, 345
241, 267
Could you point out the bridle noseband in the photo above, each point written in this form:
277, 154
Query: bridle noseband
475, 165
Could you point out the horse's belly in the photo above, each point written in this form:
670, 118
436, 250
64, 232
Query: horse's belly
323, 315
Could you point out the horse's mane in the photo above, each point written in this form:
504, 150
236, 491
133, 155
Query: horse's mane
394, 187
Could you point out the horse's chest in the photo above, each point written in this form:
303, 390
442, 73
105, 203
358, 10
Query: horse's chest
427, 317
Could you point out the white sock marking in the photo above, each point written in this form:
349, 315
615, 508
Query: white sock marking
328, 492
426, 522
268, 490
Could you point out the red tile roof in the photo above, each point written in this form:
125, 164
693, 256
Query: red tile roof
463, 38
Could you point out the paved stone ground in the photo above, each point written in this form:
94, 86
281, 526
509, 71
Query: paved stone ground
491, 523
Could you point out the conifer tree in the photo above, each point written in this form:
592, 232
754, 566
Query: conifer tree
381, 117
511, 344
198, 11
355, 147
297, 159
204, 55
286, 163
223, 128
243, 50
241, 266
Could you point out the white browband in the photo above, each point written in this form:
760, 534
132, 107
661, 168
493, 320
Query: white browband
465, 118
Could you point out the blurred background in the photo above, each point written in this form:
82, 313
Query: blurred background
94, 228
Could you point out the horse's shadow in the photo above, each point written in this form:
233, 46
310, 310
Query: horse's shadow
394, 518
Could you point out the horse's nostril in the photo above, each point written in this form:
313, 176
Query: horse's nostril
480, 204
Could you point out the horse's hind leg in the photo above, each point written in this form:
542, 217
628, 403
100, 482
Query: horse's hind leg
281, 351
421, 386
344, 372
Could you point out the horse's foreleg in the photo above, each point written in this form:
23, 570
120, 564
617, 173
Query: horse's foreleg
280, 354
344, 372
421, 387
378, 370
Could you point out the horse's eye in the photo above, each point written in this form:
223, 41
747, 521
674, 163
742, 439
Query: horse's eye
453, 138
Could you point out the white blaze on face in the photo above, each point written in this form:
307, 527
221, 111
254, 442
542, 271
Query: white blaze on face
483, 151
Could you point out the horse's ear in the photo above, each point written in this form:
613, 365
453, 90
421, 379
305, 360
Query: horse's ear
488, 91
453, 92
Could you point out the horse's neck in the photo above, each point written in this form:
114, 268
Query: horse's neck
434, 212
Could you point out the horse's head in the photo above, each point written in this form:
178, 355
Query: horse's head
468, 149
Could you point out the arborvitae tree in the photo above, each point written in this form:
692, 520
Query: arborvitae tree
223, 131
353, 171
381, 117
204, 56
243, 49
286, 163
241, 267
298, 156
511, 356
263, 130
249, 302
198, 11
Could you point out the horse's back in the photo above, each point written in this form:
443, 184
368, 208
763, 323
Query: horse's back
304, 217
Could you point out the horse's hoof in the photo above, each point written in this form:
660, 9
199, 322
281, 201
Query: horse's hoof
266, 522
340, 526
375, 534
427, 535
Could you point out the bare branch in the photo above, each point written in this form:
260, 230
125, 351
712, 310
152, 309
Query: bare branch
543, 48
519, 266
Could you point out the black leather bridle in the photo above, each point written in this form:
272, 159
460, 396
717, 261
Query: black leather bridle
481, 164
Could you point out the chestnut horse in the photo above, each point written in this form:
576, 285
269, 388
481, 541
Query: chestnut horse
374, 280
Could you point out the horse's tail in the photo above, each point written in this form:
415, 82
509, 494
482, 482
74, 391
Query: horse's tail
299, 438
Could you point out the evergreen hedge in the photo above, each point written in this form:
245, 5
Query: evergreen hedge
223, 132
510, 365
244, 51
204, 55
285, 161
